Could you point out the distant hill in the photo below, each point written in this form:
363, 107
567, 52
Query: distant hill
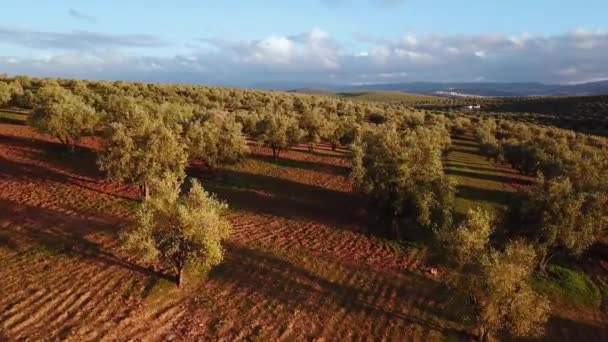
311, 91
387, 96
463, 89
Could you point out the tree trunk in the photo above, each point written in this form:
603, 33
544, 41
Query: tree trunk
333, 146
179, 276
310, 147
484, 334
145, 190
395, 228
64, 142
275, 155
544, 262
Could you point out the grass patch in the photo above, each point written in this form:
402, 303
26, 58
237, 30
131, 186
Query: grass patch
480, 182
569, 286
157, 289
602, 284
132, 206
13, 118
51, 248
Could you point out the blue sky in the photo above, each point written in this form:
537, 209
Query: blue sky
241, 43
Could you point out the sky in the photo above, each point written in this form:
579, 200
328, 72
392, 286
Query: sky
252, 42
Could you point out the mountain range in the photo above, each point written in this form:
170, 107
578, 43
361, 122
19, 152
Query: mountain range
452, 89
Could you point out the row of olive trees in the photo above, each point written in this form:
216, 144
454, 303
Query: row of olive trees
308, 109
566, 210
64, 115
150, 145
281, 131
496, 284
8, 92
398, 165
142, 139
150, 137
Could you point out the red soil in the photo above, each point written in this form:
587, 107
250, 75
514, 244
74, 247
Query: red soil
298, 267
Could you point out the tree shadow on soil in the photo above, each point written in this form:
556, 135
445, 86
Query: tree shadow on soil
324, 151
82, 161
68, 234
493, 177
283, 281
27, 172
467, 167
315, 166
565, 329
274, 196
487, 195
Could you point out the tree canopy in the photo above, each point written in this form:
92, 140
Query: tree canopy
183, 231
141, 147
215, 138
500, 294
278, 131
401, 170
63, 115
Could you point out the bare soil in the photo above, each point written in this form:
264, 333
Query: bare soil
300, 265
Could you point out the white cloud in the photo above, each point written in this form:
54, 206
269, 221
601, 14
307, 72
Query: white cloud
315, 56
271, 50
304, 51
76, 40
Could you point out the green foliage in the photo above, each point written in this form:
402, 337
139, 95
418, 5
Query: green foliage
313, 124
63, 115
248, 121
569, 286
183, 231
402, 172
279, 132
560, 217
12, 117
140, 147
501, 295
6, 93
461, 124
216, 139
467, 241
489, 146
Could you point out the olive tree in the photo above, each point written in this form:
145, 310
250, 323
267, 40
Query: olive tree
500, 296
402, 172
469, 239
215, 139
313, 124
141, 147
279, 132
489, 146
65, 116
340, 131
560, 217
6, 93
184, 231
461, 124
